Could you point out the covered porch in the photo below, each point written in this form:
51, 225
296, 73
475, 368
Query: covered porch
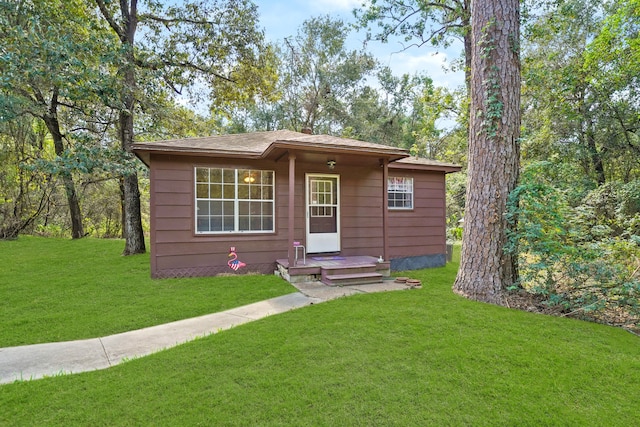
325, 194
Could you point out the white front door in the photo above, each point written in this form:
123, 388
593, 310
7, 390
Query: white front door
323, 213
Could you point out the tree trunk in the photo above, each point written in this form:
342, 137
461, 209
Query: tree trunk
593, 164
595, 156
134, 235
485, 268
133, 232
123, 220
468, 44
468, 52
77, 228
53, 125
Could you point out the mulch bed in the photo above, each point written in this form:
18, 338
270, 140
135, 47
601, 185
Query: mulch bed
522, 300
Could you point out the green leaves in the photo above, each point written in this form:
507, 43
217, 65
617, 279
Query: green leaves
418, 22
583, 258
215, 44
88, 160
581, 93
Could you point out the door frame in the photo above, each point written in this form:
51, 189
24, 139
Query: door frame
321, 242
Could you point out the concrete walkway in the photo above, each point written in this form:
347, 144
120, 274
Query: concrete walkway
41, 360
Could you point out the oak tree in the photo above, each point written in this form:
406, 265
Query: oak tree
206, 46
417, 23
48, 61
319, 75
26, 193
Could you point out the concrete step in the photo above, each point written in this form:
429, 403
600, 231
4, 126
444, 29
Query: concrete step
366, 278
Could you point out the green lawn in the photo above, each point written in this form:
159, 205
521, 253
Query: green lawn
61, 289
404, 358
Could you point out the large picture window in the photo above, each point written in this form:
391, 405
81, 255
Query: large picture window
234, 200
400, 193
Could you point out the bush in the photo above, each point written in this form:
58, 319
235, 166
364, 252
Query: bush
585, 260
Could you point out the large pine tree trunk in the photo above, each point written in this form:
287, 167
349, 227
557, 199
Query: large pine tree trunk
485, 268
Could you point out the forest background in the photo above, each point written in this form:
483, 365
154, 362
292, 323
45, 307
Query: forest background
81, 80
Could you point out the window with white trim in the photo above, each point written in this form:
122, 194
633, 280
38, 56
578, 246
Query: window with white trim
400, 192
234, 200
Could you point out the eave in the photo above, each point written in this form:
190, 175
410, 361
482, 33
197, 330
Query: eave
413, 163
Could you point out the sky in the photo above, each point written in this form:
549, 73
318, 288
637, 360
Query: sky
283, 18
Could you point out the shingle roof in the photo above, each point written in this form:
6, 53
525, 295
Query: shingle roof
261, 144
334, 141
251, 144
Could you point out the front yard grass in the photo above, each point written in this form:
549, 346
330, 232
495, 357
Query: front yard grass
403, 358
61, 289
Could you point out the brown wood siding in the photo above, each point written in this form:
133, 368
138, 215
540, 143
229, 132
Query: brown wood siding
176, 249
421, 230
170, 224
173, 199
361, 211
173, 211
411, 220
411, 232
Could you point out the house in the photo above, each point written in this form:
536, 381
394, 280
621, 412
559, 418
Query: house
286, 201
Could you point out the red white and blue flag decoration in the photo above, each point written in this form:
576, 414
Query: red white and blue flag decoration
234, 263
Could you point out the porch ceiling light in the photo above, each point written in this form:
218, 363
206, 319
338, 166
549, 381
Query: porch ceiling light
331, 164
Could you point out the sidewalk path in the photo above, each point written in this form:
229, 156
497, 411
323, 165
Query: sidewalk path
41, 360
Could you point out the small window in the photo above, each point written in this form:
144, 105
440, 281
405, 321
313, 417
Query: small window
234, 200
400, 193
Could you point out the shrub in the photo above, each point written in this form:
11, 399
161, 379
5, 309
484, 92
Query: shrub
585, 259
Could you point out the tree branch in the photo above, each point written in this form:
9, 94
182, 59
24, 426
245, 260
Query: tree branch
53, 104
112, 23
167, 21
85, 184
433, 34
26, 94
155, 66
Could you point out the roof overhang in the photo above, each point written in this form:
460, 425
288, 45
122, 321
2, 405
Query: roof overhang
414, 163
279, 148
144, 151
268, 145
276, 145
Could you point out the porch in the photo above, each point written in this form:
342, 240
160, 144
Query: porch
335, 270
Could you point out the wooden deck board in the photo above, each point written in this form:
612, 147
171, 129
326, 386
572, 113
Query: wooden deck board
312, 261
318, 267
